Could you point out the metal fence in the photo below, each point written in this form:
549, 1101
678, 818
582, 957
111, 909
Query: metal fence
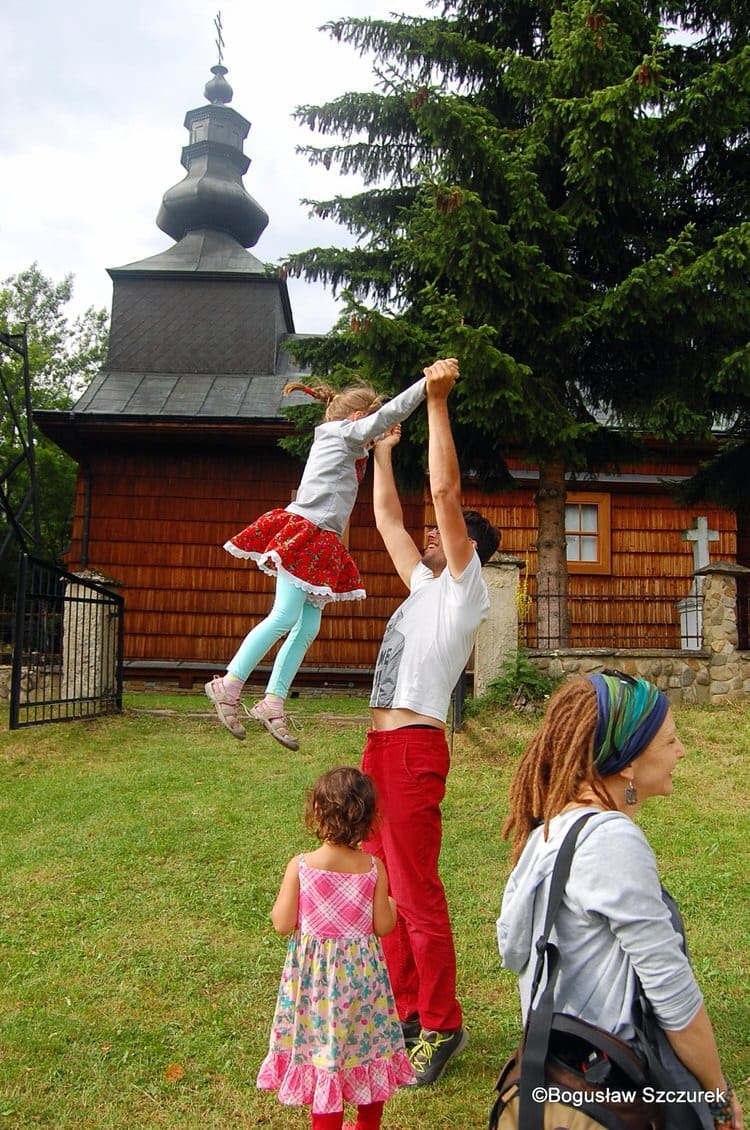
662, 615
67, 647
7, 625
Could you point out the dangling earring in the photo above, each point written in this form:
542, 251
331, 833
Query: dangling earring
631, 793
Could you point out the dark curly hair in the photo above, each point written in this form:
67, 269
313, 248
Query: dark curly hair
486, 536
342, 806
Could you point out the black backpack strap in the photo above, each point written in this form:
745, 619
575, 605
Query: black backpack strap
560, 873
539, 1020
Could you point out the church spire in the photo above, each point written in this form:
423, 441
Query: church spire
212, 195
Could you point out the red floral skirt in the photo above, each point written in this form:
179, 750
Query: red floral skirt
315, 560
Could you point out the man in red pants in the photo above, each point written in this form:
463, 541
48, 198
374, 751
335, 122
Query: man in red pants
426, 645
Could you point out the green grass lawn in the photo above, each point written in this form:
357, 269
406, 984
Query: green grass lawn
140, 856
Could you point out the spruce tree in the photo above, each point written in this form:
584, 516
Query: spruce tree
557, 194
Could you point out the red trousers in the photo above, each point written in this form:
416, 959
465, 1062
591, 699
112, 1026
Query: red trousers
409, 767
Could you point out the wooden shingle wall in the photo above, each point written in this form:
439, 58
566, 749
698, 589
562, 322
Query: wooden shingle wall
158, 519
157, 525
651, 565
743, 536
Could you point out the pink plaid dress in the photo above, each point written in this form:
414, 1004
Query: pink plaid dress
335, 1036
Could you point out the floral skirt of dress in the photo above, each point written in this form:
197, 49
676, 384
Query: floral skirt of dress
335, 1036
315, 560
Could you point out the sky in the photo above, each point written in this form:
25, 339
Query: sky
94, 96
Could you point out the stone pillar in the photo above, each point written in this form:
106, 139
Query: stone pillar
729, 668
497, 638
89, 646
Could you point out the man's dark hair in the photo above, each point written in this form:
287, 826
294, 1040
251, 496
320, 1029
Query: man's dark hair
486, 536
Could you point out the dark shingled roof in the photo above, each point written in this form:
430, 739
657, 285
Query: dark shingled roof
207, 396
204, 251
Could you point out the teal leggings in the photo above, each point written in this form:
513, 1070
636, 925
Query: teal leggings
292, 613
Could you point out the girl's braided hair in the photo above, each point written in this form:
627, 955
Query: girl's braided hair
342, 807
340, 402
556, 764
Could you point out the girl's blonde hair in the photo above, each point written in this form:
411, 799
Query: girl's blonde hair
342, 807
340, 403
556, 764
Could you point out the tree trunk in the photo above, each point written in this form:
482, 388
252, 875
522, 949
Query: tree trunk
553, 624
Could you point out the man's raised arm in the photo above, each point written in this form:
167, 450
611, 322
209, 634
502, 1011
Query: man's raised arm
445, 474
389, 516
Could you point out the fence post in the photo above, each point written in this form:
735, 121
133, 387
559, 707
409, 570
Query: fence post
728, 667
90, 640
458, 698
497, 638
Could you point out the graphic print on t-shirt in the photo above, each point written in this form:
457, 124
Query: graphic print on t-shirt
388, 663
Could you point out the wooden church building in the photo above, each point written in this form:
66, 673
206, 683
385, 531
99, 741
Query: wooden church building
177, 438
177, 446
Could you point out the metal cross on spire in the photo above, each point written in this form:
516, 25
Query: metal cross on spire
219, 37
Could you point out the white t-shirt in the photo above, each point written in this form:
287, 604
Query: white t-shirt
429, 639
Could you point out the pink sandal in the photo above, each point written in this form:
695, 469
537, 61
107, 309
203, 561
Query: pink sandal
226, 708
277, 725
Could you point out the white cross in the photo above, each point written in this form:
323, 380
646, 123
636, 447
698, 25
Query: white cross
700, 536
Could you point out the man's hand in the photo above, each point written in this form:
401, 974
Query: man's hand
389, 438
441, 377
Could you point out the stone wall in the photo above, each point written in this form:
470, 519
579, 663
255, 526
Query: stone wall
33, 685
683, 676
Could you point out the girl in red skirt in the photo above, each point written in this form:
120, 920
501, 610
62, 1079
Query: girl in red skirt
301, 547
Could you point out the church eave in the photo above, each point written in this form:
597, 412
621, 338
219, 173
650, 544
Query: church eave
76, 432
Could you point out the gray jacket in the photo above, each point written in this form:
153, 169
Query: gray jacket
612, 925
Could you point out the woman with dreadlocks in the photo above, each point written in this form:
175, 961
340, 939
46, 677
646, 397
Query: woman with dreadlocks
607, 744
301, 547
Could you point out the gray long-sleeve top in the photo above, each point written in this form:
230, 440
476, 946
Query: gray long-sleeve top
328, 488
612, 925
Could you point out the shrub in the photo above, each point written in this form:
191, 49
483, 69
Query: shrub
520, 684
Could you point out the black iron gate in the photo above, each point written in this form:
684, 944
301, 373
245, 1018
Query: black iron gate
67, 646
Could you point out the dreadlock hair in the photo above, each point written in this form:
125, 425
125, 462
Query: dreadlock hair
556, 764
340, 403
486, 536
341, 807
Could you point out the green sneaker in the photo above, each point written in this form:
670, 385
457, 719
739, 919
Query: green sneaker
433, 1052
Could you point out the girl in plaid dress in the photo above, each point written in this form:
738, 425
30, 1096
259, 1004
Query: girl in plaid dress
301, 547
336, 1035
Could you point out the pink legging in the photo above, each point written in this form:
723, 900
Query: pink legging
368, 1118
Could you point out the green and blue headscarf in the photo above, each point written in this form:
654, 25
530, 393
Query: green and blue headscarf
628, 714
